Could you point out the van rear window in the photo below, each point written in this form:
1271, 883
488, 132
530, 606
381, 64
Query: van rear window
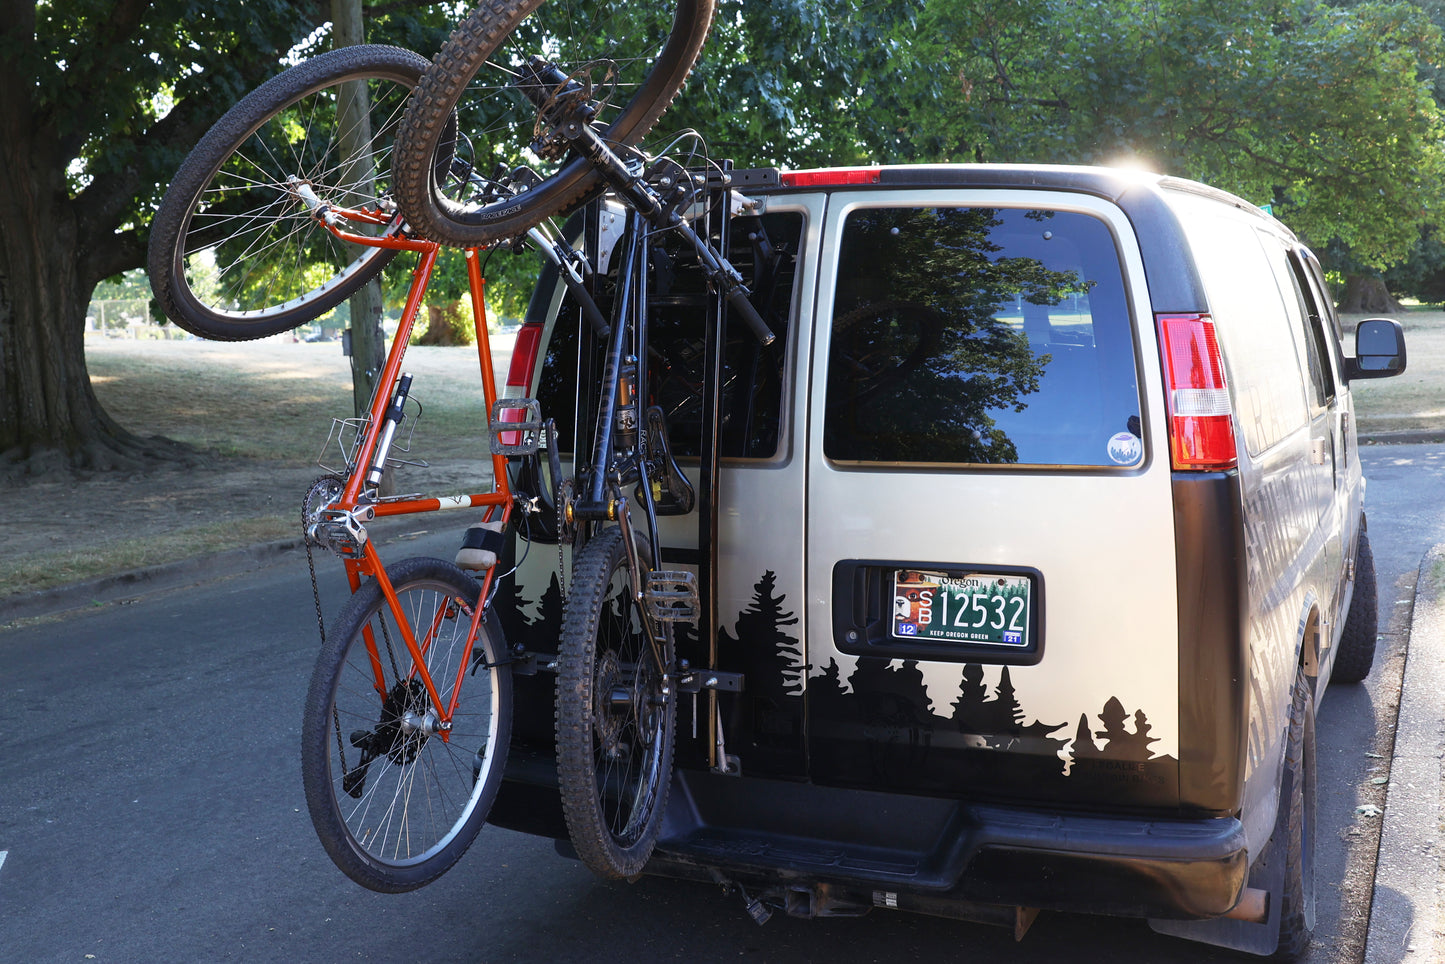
988, 336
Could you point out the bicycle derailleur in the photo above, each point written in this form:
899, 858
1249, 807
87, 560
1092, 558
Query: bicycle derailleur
340, 531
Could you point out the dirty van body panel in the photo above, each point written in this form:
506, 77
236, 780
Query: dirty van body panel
1292, 539
1095, 719
1213, 650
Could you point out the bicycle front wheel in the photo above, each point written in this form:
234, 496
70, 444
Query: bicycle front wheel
633, 57
615, 714
396, 793
235, 252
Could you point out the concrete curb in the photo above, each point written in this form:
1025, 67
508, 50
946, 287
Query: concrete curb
106, 589
1414, 437
1405, 912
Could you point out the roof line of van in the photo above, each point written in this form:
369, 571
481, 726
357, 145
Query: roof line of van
1174, 284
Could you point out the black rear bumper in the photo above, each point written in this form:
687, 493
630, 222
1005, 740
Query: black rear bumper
895, 850
861, 848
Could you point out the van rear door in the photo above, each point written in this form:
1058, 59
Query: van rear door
989, 568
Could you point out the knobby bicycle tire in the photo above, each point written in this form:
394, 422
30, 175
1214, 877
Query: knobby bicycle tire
394, 800
615, 719
498, 119
235, 252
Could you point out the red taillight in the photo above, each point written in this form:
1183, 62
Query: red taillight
831, 177
1201, 434
519, 375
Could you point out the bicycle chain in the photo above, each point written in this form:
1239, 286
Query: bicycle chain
321, 624
561, 557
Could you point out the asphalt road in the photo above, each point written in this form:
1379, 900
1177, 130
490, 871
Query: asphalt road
151, 805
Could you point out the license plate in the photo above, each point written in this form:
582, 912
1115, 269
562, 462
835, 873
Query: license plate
977, 607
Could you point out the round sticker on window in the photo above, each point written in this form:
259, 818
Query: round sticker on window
1125, 448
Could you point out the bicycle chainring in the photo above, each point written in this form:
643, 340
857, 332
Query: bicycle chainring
323, 493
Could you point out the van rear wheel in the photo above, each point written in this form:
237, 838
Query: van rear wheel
1294, 829
1362, 623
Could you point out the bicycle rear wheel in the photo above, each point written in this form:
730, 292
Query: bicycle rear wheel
615, 716
235, 252
395, 797
635, 57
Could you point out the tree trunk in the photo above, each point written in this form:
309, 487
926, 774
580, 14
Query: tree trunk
49, 416
1367, 294
368, 343
446, 325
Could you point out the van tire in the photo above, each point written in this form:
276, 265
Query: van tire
1295, 827
1357, 641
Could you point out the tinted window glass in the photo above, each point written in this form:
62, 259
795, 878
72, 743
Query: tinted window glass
764, 250
981, 336
1304, 322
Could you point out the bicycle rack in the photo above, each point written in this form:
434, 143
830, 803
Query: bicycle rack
526, 431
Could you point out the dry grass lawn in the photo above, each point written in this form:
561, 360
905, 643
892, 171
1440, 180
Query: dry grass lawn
1414, 401
261, 411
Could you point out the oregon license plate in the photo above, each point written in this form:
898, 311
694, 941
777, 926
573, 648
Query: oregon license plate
976, 607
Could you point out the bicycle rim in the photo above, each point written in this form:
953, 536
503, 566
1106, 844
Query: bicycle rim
395, 800
634, 57
236, 252
615, 720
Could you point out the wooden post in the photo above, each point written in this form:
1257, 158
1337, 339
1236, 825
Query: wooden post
368, 343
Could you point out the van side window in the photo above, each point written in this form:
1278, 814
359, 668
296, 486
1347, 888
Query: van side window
1249, 314
764, 249
1304, 321
1323, 317
977, 335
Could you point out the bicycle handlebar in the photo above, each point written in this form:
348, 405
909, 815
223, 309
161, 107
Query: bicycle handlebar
738, 298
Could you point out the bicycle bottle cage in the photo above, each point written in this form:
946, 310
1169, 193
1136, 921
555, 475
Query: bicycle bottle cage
516, 436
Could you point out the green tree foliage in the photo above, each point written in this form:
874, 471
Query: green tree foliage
1320, 111
796, 82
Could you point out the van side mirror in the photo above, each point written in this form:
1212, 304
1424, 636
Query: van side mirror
1379, 350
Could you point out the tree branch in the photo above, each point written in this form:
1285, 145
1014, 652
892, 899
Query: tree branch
117, 252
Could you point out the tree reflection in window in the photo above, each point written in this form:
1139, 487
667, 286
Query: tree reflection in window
975, 335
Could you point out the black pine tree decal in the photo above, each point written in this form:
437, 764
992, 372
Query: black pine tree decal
509, 604
1084, 747
968, 713
1114, 734
761, 625
548, 623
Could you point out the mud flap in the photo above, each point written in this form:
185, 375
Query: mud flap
1239, 935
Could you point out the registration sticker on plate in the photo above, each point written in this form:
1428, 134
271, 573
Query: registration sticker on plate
977, 607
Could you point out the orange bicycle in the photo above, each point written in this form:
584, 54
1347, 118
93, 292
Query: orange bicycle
270, 222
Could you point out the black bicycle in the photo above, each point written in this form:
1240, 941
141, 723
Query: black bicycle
580, 108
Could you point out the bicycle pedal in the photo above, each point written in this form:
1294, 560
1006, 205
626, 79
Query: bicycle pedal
516, 435
671, 596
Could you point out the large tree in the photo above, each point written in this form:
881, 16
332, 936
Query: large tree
1322, 112
102, 101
